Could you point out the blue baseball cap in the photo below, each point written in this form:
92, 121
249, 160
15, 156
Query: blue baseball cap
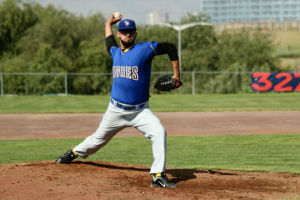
126, 24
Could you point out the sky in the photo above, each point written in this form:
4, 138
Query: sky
134, 9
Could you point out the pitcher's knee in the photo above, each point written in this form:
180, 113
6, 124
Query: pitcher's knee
159, 132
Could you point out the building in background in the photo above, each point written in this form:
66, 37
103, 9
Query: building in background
158, 16
231, 11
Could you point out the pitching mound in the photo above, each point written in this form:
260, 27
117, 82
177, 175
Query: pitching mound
102, 180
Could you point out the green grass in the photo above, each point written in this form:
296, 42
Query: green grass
162, 103
261, 153
227, 102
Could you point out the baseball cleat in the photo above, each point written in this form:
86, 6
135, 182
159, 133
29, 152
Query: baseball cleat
66, 158
161, 180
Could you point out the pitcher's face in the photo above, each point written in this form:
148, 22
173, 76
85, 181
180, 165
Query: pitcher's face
127, 37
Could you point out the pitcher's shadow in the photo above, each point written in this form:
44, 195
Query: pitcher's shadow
178, 174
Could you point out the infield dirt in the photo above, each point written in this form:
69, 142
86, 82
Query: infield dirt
99, 180
20, 126
105, 181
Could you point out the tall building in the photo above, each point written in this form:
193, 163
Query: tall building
227, 11
157, 16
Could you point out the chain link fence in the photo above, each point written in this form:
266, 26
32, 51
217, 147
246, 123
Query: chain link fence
194, 82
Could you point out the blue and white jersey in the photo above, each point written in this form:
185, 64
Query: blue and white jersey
131, 72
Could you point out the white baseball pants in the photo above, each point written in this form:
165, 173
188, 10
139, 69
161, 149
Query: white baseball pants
116, 119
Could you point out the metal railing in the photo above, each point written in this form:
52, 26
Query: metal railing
191, 79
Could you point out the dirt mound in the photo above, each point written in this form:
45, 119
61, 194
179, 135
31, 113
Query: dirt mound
102, 180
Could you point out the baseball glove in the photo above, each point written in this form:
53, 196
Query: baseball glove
167, 83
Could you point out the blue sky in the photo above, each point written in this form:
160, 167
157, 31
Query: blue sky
135, 9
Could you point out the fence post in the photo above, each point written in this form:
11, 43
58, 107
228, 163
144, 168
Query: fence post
193, 82
66, 84
1, 83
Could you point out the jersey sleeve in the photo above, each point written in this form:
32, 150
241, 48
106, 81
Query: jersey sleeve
167, 48
110, 43
153, 48
113, 50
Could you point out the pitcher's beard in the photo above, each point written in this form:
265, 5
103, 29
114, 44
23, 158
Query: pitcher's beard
128, 44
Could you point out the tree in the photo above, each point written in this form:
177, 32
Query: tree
194, 17
249, 48
15, 18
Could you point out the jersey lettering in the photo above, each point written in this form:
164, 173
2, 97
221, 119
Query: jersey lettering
117, 69
129, 72
135, 75
122, 71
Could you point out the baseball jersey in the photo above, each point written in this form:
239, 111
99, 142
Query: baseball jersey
131, 72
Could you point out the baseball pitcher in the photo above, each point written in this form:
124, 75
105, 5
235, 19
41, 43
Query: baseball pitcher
128, 105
